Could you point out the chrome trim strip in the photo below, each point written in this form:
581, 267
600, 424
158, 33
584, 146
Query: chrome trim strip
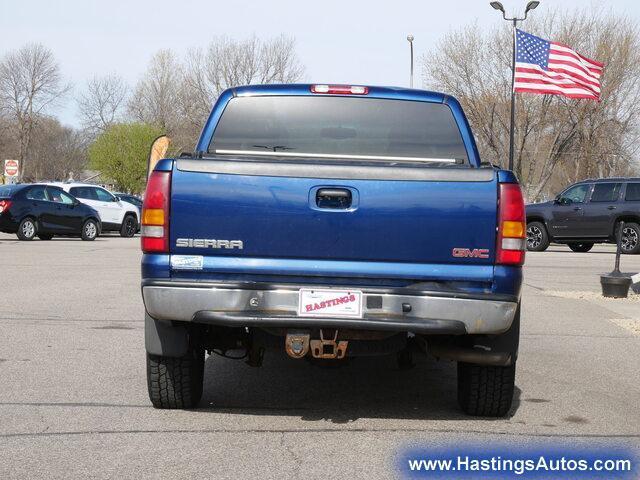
263, 153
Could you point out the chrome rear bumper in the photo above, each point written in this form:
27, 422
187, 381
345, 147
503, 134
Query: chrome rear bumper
248, 305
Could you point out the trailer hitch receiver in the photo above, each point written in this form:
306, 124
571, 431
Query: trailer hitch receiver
329, 348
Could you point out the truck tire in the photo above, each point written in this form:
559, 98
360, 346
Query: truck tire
485, 390
27, 229
175, 382
580, 247
537, 237
631, 238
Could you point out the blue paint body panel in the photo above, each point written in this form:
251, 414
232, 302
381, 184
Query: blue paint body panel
395, 231
164, 165
507, 176
350, 269
155, 265
395, 221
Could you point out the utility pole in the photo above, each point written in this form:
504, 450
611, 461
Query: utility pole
410, 40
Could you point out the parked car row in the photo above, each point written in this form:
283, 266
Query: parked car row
44, 210
115, 213
586, 213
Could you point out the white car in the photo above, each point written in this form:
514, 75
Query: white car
115, 214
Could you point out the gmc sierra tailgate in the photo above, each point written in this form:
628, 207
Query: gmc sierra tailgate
448, 219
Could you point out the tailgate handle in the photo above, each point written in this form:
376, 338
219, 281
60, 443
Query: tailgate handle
338, 198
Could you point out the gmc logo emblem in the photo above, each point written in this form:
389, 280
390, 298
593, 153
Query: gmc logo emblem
468, 253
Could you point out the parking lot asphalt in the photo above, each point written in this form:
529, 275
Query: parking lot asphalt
73, 400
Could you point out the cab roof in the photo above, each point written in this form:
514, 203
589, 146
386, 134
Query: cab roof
398, 93
608, 180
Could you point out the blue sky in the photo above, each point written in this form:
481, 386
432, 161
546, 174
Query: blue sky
338, 41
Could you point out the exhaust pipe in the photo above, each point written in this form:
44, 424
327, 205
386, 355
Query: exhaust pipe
469, 355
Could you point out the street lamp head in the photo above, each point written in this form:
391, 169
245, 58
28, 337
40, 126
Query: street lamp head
498, 6
531, 6
410, 38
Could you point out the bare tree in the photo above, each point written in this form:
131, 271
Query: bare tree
558, 140
177, 96
228, 63
8, 147
30, 84
103, 102
156, 96
56, 152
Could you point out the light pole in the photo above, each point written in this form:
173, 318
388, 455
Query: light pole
410, 40
514, 20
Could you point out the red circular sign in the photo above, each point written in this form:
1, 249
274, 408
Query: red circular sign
10, 168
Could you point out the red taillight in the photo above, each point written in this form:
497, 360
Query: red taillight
4, 205
511, 226
340, 89
155, 213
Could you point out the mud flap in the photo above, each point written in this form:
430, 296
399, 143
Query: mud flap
507, 342
165, 338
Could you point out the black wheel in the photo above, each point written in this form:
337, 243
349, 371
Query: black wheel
175, 382
485, 391
580, 247
129, 226
89, 230
45, 236
27, 229
537, 237
630, 238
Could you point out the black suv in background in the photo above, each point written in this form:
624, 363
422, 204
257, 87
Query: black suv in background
585, 213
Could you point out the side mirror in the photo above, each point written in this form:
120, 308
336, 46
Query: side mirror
557, 199
117, 198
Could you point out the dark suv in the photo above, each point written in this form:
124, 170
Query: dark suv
585, 213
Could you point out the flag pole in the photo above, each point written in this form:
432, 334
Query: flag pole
514, 20
513, 97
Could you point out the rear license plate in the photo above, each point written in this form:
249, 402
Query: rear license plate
313, 302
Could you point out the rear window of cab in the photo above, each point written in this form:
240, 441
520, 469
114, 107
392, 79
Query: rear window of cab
335, 126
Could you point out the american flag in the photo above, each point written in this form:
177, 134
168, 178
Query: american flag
553, 68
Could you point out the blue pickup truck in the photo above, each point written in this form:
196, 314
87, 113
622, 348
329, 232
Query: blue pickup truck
333, 221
